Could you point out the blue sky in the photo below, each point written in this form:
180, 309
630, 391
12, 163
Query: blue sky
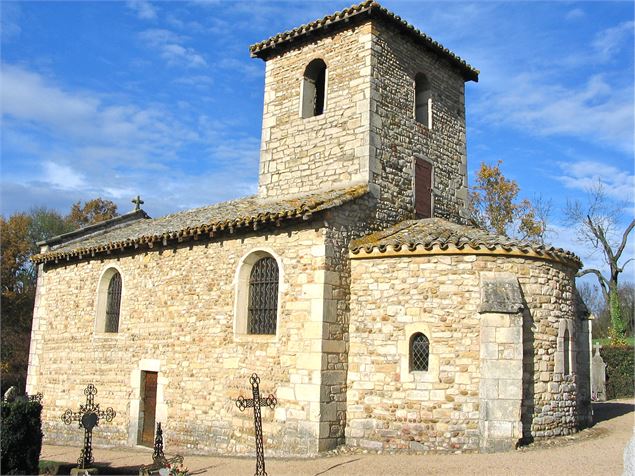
161, 99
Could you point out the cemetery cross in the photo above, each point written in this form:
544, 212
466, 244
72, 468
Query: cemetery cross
88, 417
256, 402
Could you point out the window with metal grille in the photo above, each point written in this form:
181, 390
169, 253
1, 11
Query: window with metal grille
113, 303
419, 352
263, 297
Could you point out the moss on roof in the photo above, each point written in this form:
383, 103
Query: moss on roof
234, 216
432, 235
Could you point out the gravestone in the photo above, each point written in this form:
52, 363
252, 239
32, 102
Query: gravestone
598, 376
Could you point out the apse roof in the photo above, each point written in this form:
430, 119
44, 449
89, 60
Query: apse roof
439, 236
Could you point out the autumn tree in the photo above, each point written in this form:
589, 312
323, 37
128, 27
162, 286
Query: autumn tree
18, 293
20, 234
596, 222
93, 211
494, 206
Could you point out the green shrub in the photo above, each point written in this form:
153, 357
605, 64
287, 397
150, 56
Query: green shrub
620, 371
21, 439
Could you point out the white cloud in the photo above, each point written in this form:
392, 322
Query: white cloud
574, 14
609, 41
29, 98
62, 176
594, 110
585, 174
170, 47
144, 9
76, 145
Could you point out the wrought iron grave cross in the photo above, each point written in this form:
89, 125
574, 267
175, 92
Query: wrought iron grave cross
88, 417
256, 402
158, 455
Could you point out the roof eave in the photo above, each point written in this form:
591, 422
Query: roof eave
270, 47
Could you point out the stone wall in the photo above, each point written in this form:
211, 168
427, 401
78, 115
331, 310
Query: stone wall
177, 318
396, 138
439, 295
368, 132
298, 154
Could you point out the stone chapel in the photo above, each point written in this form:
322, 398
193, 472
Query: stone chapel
350, 282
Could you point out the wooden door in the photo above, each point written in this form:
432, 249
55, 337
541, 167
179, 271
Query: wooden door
149, 407
423, 188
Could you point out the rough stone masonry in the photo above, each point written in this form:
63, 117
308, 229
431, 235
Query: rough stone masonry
359, 274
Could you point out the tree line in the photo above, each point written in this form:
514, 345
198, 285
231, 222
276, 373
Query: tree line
20, 234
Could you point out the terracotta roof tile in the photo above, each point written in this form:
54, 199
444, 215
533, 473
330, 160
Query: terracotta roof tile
227, 217
370, 7
435, 234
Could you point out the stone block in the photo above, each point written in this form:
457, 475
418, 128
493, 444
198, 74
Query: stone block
307, 392
489, 350
510, 389
509, 335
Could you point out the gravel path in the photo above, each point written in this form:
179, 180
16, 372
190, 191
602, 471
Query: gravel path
595, 451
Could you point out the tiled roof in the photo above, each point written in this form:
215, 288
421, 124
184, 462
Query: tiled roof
372, 9
234, 216
435, 235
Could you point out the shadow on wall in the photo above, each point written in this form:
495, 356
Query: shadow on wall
603, 411
528, 403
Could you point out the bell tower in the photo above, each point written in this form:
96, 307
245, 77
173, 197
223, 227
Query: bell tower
361, 96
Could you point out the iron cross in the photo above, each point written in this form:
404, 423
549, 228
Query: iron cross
137, 202
256, 402
88, 417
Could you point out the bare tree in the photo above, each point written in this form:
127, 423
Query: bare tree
596, 223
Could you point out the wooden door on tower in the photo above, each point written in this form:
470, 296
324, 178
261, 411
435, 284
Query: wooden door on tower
423, 188
149, 407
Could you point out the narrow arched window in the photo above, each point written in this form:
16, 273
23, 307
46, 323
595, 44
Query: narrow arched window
113, 303
419, 352
263, 297
314, 89
566, 352
423, 100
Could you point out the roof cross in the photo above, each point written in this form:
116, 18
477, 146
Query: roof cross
137, 202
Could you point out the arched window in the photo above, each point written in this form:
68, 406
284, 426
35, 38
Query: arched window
113, 303
314, 89
109, 301
423, 100
419, 357
566, 352
263, 297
